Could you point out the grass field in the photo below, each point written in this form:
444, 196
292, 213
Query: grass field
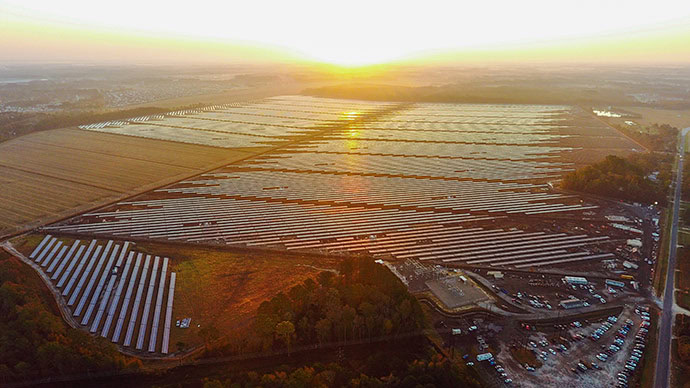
49, 175
222, 290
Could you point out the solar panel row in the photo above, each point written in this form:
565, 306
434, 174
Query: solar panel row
392, 186
102, 266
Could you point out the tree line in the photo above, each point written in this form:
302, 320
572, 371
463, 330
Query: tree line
643, 178
35, 342
429, 371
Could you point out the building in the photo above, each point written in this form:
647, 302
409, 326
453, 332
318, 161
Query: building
571, 303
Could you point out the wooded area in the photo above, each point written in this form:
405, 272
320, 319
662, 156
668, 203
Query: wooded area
364, 301
431, 371
640, 178
35, 342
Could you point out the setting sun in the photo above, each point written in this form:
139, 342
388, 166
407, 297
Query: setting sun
353, 34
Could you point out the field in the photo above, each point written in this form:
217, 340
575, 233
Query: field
645, 116
53, 174
222, 290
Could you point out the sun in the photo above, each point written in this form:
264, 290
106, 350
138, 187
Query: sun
352, 55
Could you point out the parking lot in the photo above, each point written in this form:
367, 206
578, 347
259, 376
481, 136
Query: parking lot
581, 354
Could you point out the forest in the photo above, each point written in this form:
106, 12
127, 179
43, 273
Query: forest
35, 343
643, 178
363, 304
432, 371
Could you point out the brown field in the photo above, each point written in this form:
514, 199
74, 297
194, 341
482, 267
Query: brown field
46, 176
223, 289
648, 116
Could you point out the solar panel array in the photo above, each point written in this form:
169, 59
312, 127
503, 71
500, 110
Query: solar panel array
96, 283
254, 124
408, 181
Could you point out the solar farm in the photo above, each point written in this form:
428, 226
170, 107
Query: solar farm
402, 181
430, 190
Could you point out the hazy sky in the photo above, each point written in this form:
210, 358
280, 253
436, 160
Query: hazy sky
343, 32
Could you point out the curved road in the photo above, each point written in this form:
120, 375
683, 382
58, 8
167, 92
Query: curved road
663, 371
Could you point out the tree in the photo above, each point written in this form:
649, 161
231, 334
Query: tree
212, 383
348, 318
323, 330
285, 330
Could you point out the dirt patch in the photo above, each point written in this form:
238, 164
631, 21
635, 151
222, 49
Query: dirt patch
221, 290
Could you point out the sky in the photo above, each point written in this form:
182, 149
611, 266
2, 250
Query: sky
348, 33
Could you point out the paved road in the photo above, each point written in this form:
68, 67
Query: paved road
663, 371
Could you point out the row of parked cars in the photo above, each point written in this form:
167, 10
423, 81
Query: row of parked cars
617, 343
615, 346
635, 356
606, 326
542, 354
499, 368
638, 350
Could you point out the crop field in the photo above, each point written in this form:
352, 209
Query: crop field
53, 174
420, 181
